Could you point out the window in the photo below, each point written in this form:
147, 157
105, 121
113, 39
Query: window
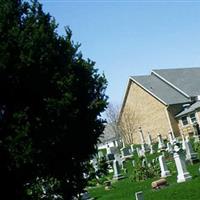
184, 120
193, 118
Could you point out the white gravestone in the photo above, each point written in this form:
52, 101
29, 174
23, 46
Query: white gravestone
143, 143
144, 162
171, 137
169, 148
163, 166
196, 132
183, 174
161, 144
183, 142
132, 148
149, 141
116, 169
125, 152
190, 154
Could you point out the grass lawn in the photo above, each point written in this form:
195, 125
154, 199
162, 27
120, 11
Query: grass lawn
125, 189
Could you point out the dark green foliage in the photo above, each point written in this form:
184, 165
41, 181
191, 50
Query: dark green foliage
50, 104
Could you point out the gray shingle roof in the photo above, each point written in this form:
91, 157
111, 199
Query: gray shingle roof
186, 79
192, 108
160, 89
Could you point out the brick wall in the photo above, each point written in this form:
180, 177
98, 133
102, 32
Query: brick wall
149, 113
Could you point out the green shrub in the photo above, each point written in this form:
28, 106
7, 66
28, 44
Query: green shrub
141, 173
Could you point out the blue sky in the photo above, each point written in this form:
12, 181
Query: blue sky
127, 38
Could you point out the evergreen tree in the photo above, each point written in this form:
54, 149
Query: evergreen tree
50, 105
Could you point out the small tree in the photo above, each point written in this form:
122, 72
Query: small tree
112, 115
128, 123
124, 125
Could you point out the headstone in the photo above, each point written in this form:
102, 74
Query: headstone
183, 174
130, 151
125, 152
94, 164
123, 163
133, 163
132, 148
108, 185
143, 143
169, 148
149, 165
149, 140
183, 142
100, 154
111, 150
108, 150
144, 162
109, 154
123, 144
196, 132
190, 154
139, 195
110, 168
163, 166
171, 137
86, 196
161, 144
138, 151
156, 159
117, 175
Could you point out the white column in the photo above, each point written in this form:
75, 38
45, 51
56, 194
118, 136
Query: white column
183, 174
